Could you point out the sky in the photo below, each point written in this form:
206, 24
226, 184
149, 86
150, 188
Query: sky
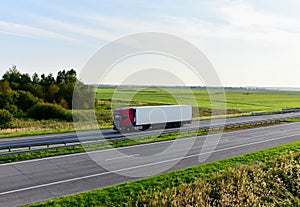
249, 43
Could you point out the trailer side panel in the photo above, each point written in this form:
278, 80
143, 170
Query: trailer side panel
162, 114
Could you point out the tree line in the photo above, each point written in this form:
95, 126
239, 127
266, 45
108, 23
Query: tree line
41, 97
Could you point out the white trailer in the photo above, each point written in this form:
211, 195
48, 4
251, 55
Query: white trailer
162, 114
144, 117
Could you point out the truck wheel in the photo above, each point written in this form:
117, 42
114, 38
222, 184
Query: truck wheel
145, 127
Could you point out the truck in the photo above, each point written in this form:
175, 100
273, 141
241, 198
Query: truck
155, 117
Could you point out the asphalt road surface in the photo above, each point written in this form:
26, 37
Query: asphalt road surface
43, 179
86, 135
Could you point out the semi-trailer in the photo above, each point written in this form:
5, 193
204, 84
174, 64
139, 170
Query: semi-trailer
145, 117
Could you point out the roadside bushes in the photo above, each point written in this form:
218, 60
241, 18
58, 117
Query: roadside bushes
44, 111
25, 100
49, 111
6, 119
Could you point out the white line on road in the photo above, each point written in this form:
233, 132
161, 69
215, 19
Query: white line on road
143, 165
126, 156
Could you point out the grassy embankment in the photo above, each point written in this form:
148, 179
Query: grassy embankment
266, 178
239, 102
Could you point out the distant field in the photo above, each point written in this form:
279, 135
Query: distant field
236, 100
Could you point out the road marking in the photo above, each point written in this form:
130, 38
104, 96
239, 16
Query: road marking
143, 165
141, 145
126, 156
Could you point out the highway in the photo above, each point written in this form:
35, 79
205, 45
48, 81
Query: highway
109, 133
42, 179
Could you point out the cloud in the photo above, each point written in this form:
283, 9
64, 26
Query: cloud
245, 22
29, 31
242, 14
239, 20
114, 27
75, 28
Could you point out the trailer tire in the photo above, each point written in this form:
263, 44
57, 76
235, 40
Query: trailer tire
145, 127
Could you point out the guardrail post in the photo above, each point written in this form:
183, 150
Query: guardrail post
29, 147
9, 149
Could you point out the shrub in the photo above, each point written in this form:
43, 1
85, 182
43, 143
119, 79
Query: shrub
6, 119
13, 109
26, 100
48, 111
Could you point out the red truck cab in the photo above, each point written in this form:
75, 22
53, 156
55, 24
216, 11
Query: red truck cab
124, 119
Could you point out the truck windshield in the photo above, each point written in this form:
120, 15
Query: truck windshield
118, 117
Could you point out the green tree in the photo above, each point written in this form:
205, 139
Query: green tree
13, 109
51, 95
13, 76
66, 92
7, 99
61, 77
37, 90
4, 87
66, 77
25, 100
35, 78
47, 80
6, 119
24, 80
71, 77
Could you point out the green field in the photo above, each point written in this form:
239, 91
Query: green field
262, 168
239, 100
236, 102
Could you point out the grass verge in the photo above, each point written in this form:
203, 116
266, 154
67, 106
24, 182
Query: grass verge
47, 131
292, 120
129, 193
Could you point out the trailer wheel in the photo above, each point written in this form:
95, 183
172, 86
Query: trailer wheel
145, 127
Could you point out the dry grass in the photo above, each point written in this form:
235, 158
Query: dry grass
277, 184
28, 127
33, 125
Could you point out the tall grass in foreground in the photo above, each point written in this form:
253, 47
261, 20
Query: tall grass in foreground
275, 184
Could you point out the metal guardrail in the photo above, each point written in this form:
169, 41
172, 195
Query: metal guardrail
289, 110
71, 141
